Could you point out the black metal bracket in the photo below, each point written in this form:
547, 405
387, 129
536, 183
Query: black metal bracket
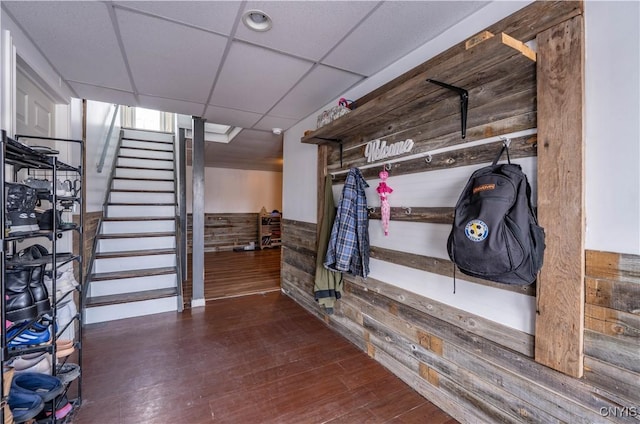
335, 140
464, 102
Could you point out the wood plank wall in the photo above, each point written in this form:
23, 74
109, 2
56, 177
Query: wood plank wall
224, 231
477, 369
90, 230
612, 324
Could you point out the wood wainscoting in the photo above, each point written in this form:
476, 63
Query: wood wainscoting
477, 370
224, 231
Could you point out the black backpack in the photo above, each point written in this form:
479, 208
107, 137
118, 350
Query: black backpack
495, 233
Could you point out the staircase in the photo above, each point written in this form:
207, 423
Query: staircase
134, 269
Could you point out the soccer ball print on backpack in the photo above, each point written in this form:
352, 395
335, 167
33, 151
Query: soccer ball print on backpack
495, 233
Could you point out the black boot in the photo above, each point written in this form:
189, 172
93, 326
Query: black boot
39, 291
18, 297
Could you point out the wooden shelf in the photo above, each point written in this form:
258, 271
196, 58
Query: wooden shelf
269, 229
486, 55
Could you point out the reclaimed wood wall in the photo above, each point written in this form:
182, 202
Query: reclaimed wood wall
612, 325
467, 352
478, 370
90, 230
224, 231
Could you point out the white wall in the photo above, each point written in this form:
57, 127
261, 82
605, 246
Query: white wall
98, 120
613, 126
238, 191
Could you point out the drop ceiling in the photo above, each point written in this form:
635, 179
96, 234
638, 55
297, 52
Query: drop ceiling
197, 58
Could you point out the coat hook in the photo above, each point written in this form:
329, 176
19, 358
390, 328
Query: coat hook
428, 158
371, 209
506, 141
387, 167
407, 210
333, 176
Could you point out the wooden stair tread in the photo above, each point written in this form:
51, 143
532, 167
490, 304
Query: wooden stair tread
136, 235
146, 168
118, 275
144, 158
122, 190
149, 149
115, 299
143, 179
139, 218
147, 141
139, 204
131, 253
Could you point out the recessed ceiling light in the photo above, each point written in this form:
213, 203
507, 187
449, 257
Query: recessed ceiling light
257, 20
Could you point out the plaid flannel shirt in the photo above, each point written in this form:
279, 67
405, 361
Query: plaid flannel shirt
348, 249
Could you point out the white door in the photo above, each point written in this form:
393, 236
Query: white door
35, 110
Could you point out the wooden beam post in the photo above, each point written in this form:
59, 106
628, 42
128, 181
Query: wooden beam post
561, 287
323, 160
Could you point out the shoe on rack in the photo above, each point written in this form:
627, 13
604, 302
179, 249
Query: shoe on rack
22, 334
18, 215
65, 283
45, 221
31, 200
24, 404
34, 362
18, 297
39, 291
36, 283
63, 407
47, 387
67, 372
67, 312
63, 189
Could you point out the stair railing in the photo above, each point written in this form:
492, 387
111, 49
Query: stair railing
107, 141
179, 176
107, 192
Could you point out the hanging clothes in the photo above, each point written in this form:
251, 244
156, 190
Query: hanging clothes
348, 249
383, 191
328, 284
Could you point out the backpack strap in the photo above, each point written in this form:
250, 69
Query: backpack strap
505, 146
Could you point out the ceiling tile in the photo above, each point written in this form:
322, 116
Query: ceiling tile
376, 43
175, 106
307, 29
166, 52
217, 16
320, 86
268, 122
254, 79
106, 95
237, 118
76, 37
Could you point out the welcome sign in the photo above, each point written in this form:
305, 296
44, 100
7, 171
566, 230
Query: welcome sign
378, 149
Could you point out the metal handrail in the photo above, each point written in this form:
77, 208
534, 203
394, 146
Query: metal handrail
178, 173
107, 140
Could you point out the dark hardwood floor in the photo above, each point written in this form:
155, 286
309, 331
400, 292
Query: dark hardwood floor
230, 274
249, 359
